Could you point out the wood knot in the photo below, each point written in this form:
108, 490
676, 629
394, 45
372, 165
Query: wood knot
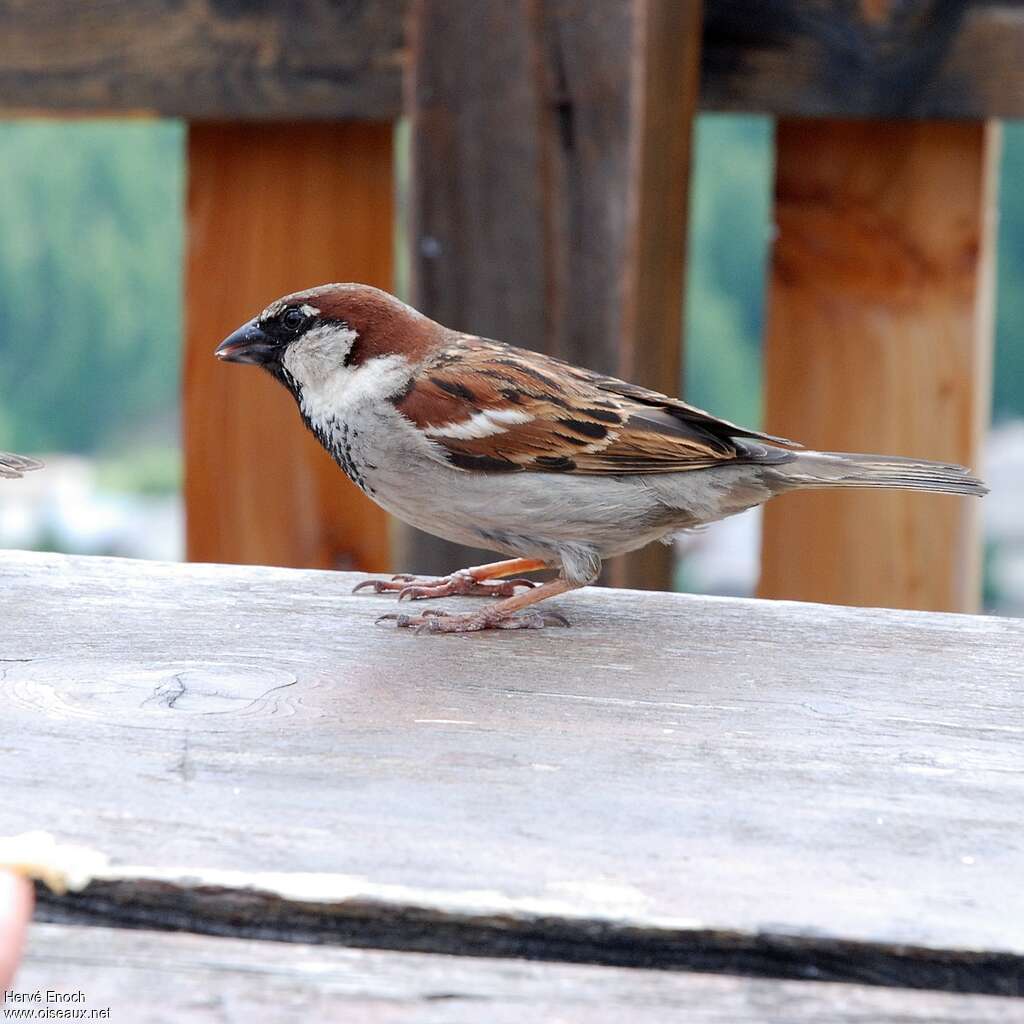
127, 694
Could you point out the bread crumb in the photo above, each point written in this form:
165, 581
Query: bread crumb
62, 867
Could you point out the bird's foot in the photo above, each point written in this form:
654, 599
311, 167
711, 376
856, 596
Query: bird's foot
443, 622
459, 584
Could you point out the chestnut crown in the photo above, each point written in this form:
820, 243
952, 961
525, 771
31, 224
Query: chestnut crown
339, 324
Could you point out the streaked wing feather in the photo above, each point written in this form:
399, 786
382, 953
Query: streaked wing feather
492, 407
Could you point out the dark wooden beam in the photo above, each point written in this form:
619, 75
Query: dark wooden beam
317, 59
218, 59
549, 187
865, 58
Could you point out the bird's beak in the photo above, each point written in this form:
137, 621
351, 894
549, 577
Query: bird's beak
249, 344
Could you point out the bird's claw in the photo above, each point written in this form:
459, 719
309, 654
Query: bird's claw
458, 584
462, 585
419, 622
379, 586
397, 582
444, 622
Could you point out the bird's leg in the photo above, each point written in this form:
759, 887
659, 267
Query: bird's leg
471, 582
499, 616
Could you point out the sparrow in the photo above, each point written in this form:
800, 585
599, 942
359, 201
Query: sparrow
546, 463
13, 466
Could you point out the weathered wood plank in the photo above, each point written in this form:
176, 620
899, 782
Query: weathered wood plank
865, 58
548, 190
271, 209
216, 59
149, 977
227, 59
745, 786
879, 339
348, 910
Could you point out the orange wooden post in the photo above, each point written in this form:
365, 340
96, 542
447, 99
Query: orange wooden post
273, 208
879, 339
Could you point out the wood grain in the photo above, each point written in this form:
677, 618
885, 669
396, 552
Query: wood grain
228, 59
741, 786
548, 190
272, 209
865, 58
879, 339
151, 977
212, 59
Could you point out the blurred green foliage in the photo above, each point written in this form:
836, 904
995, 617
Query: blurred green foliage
730, 230
91, 221
90, 282
1008, 393
149, 469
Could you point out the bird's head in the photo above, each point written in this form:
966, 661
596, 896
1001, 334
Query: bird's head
318, 342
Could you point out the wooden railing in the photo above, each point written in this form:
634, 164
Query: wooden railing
546, 206
675, 784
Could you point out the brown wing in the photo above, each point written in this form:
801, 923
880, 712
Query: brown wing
489, 406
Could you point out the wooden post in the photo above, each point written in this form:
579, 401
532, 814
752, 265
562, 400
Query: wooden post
879, 339
550, 152
273, 208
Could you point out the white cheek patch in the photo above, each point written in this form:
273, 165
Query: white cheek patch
316, 362
481, 424
337, 394
319, 352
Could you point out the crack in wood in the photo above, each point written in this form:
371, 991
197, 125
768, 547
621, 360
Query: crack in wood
377, 924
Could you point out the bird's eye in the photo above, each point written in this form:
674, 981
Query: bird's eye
292, 319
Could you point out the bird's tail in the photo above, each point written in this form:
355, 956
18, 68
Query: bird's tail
843, 469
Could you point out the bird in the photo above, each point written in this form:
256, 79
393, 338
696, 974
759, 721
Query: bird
13, 466
550, 465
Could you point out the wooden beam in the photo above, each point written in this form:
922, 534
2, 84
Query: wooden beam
549, 186
138, 974
272, 209
865, 58
236, 59
827, 793
880, 339
229, 59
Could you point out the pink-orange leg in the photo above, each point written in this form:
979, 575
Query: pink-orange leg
471, 582
499, 616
